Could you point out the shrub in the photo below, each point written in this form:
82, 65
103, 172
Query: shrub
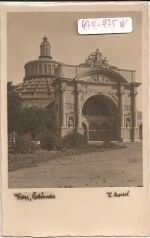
50, 141
108, 144
74, 140
111, 145
23, 145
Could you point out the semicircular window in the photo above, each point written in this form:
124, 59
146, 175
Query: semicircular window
94, 106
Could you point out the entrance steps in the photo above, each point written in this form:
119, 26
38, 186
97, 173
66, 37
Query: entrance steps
100, 142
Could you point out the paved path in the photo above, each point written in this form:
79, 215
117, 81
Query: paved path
122, 167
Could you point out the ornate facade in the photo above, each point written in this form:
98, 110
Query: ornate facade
93, 98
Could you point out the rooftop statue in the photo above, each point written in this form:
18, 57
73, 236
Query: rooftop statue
96, 58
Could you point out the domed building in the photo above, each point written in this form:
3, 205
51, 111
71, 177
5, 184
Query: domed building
37, 89
92, 98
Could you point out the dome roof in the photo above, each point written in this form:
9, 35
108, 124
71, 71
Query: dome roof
40, 68
36, 87
44, 66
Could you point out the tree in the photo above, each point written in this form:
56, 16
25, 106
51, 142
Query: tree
35, 121
32, 120
13, 107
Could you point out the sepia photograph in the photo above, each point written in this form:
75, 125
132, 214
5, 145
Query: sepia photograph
74, 119
74, 102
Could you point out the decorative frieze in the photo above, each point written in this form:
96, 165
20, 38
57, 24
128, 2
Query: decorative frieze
99, 78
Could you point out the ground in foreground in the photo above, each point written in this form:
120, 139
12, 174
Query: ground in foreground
111, 168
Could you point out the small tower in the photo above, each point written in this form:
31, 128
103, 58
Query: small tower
45, 48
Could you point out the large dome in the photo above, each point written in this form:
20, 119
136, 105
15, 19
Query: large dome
37, 88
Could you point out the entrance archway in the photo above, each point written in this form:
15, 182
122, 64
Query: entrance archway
99, 112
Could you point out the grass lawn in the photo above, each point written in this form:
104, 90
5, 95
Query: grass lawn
94, 166
20, 161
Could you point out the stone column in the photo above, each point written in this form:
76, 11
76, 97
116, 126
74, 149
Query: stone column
135, 129
134, 107
78, 108
121, 110
63, 118
121, 106
79, 124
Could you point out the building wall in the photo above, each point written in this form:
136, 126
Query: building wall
72, 95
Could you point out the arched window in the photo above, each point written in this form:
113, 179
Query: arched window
32, 68
52, 69
45, 68
94, 106
49, 69
35, 69
40, 69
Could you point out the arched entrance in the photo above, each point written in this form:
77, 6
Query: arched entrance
99, 112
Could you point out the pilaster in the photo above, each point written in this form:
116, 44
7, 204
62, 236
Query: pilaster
78, 109
135, 129
63, 119
121, 111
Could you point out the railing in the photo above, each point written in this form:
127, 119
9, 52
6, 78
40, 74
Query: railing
100, 135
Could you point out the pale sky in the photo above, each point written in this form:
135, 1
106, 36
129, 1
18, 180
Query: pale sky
26, 30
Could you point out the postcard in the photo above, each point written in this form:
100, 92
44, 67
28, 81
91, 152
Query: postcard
74, 119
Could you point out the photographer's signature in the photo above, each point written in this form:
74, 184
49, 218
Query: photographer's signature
116, 194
